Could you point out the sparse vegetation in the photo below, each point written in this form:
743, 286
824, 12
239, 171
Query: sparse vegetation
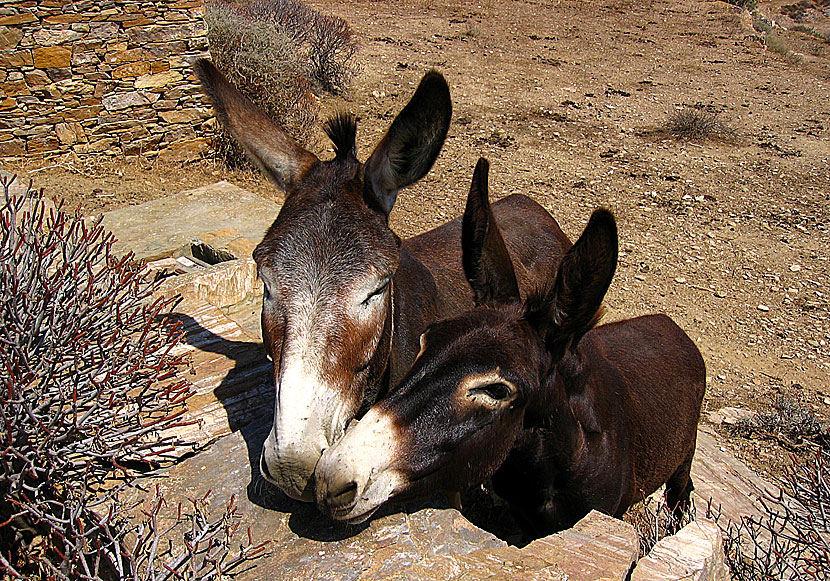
87, 386
695, 123
791, 537
280, 53
747, 4
653, 520
790, 424
776, 43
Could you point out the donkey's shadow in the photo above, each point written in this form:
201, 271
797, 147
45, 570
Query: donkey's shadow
251, 370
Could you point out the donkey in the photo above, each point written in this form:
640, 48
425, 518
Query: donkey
345, 299
563, 416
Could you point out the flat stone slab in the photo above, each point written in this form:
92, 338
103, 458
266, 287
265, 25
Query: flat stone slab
598, 547
158, 227
304, 543
732, 486
694, 553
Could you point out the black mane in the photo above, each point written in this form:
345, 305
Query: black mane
342, 130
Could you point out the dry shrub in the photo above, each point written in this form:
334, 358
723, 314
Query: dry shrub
280, 53
87, 383
654, 520
696, 123
790, 539
790, 424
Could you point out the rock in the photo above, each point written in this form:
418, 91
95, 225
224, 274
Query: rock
158, 80
598, 547
116, 101
763, 308
694, 553
51, 37
52, 57
14, 59
731, 415
127, 70
70, 133
180, 116
9, 37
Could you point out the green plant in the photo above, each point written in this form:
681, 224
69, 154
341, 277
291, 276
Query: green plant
777, 44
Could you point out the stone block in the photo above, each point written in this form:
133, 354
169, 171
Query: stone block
9, 37
126, 56
12, 147
157, 33
52, 57
14, 59
70, 133
52, 37
85, 58
15, 88
141, 146
159, 66
59, 74
40, 145
136, 22
130, 70
598, 547
694, 553
8, 103
180, 116
158, 80
116, 101
68, 18
184, 150
103, 30
23, 17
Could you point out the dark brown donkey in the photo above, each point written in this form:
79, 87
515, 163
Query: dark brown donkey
564, 418
345, 300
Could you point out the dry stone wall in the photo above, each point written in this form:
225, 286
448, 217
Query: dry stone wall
101, 77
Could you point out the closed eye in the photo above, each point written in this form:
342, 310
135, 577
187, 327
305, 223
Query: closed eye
378, 291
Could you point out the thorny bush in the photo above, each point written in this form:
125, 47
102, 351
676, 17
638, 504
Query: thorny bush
87, 384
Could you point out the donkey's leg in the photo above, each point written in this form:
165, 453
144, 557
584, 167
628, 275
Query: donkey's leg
678, 489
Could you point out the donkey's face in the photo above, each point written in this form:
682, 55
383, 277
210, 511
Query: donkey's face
327, 266
458, 411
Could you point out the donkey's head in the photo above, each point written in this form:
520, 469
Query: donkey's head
327, 265
460, 408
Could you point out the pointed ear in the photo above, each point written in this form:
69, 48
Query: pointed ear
410, 147
487, 264
276, 153
574, 304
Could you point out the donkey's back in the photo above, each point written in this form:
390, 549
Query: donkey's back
534, 240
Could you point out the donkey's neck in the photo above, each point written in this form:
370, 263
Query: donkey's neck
414, 296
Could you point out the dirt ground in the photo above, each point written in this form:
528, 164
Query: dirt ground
567, 98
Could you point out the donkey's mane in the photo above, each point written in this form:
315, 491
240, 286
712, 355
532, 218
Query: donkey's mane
342, 130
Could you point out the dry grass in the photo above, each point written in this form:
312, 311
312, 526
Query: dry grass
697, 123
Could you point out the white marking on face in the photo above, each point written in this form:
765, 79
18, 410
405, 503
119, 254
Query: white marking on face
309, 416
366, 455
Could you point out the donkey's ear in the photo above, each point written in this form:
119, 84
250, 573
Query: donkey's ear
276, 153
574, 304
410, 147
487, 264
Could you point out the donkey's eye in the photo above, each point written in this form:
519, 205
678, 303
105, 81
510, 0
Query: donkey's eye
496, 391
378, 291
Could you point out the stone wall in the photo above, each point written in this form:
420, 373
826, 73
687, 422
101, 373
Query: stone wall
101, 77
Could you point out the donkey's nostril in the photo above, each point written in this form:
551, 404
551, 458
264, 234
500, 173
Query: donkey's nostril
343, 495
